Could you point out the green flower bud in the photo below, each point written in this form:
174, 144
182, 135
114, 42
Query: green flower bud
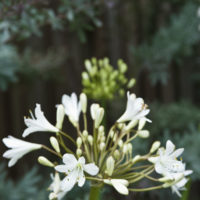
110, 164
44, 161
55, 144
79, 142
79, 152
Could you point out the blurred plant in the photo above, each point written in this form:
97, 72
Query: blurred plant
9, 65
102, 82
169, 44
24, 189
21, 19
176, 117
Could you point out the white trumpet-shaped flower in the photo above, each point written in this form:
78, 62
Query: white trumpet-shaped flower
40, 123
72, 107
97, 114
55, 187
119, 184
75, 171
18, 148
135, 109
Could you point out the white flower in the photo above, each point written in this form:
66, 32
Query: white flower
72, 107
38, 124
119, 184
55, 187
18, 149
74, 169
135, 109
167, 164
97, 114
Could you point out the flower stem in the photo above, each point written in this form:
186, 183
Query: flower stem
95, 192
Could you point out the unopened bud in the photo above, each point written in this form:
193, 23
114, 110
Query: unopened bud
131, 125
88, 65
83, 101
142, 123
125, 148
120, 143
136, 158
116, 154
110, 164
103, 139
131, 83
143, 134
85, 76
111, 133
165, 179
79, 142
90, 140
78, 152
44, 161
60, 116
85, 134
155, 146
102, 146
130, 148
115, 138
54, 144
97, 114
120, 125
101, 129
52, 196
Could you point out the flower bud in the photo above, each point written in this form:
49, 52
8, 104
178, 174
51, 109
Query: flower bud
116, 154
120, 125
131, 83
111, 134
165, 179
103, 139
131, 125
155, 146
102, 146
110, 164
79, 142
97, 114
60, 116
142, 123
78, 152
90, 140
136, 158
83, 101
44, 161
143, 134
88, 65
115, 138
52, 196
125, 148
120, 143
85, 134
85, 76
101, 129
54, 144
130, 148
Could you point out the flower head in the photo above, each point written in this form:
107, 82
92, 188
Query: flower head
55, 187
119, 184
72, 107
167, 164
38, 124
135, 109
75, 171
18, 149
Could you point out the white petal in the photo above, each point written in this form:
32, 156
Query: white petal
81, 160
169, 147
69, 181
122, 189
159, 168
91, 169
81, 178
61, 168
177, 153
69, 160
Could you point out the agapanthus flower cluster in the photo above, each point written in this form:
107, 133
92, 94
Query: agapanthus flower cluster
101, 156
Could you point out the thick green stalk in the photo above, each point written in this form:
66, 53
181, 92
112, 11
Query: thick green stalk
95, 192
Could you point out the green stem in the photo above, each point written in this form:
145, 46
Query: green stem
95, 192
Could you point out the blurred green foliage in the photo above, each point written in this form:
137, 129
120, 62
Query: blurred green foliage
21, 19
102, 82
172, 43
